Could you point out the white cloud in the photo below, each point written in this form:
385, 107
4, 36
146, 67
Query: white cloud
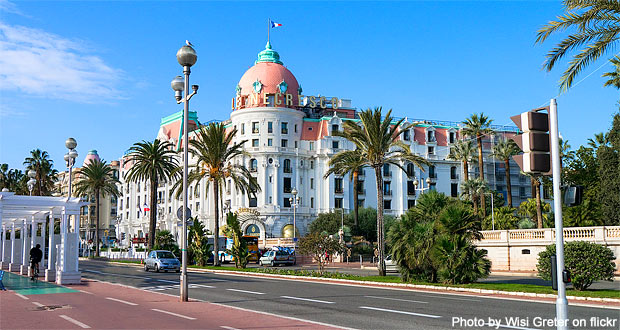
10, 7
43, 64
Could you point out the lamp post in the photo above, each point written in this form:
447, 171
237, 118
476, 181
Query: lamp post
32, 174
186, 56
428, 182
294, 204
492, 211
70, 157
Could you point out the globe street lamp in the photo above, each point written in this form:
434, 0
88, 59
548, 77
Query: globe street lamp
294, 204
32, 174
186, 56
70, 157
416, 182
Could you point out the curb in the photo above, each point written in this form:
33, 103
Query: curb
397, 285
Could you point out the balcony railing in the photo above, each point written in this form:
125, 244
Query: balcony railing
338, 190
387, 173
288, 170
361, 191
253, 169
387, 192
285, 131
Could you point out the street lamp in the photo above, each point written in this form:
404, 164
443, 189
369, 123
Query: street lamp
294, 204
32, 174
416, 182
70, 157
186, 56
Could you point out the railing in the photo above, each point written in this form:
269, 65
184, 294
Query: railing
361, 191
338, 190
387, 193
527, 234
595, 234
577, 233
491, 235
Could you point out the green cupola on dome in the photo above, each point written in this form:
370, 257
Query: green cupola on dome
268, 55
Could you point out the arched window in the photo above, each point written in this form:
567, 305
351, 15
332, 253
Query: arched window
410, 170
253, 165
287, 166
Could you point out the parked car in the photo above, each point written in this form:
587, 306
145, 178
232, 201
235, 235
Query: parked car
390, 265
277, 257
161, 260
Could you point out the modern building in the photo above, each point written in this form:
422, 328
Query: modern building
289, 140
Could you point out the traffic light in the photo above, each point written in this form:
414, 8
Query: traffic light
534, 142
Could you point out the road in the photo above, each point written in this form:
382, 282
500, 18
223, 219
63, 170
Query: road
352, 306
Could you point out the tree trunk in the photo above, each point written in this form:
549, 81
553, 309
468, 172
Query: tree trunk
465, 170
483, 203
508, 186
355, 198
216, 234
475, 200
380, 236
97, 222
539, 218
152, 214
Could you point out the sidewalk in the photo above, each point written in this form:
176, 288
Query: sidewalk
28, 305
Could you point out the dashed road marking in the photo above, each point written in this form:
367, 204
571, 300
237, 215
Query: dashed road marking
22, 296
86, 292
74, 321
122, 301
245, 291
167, 281
175, 314
401, 312
398, 299
451, 298
307, 299
38, 304
227, 327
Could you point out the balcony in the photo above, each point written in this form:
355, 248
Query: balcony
285, 131
287, 190
432, 175
454, 177
387, 192
255, 131
387, 174
253, 169
288, 170
338, 190
361, 191
411, 192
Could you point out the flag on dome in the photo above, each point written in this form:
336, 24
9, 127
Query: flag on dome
274, 24
146, 208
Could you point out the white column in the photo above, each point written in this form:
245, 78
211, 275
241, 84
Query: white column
43, 231
276, 182
24, 237
33, 234
51, 257
2, 239
13, 242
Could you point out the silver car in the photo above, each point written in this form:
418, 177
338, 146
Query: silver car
277, 257
390, 265
161, 260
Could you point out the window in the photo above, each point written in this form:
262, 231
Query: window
334, 128
120, 206
431, 172
242, 128
454, 190
287, 185
287, 202
387, 188
311, 145
338, 203
410, 188
311, 183
431, 150
255, 143
253, 202
138, 188
253, 165
410, 203
284, 143
284, 128
311, 164
197, 206
295, 128
295, 144
335, 144
452, 137
525, 251
287, 166
430, 136
269, 142
407, 135
270, 127
387, 204
338, 185
522, 192
311, 202
360, 203
360, 187
410, 170
453, 174
386, 170
255, 127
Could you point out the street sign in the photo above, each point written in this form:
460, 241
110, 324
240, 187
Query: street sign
180, 213
534, 142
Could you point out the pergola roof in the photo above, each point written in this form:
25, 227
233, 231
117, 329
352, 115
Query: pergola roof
17, 207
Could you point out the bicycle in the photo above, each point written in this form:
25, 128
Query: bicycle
34, 266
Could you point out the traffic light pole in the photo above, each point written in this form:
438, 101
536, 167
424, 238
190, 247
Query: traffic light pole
561, 305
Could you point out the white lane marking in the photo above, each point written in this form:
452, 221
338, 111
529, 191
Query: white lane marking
167, 281
306, 299
76, 322
123, 275
122, 301
22, 296
38, 304
245, 291
397, 299
86, 292
201, 286
401, 312
218, 280
227, 327
509, 327
453, 298
175, 314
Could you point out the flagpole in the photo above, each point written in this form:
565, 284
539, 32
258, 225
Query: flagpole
268, 28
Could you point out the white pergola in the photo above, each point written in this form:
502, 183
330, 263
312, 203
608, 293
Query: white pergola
25, 213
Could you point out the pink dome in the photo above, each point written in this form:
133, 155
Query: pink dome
268, 75
92, 155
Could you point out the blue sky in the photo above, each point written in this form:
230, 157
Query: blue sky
100, 71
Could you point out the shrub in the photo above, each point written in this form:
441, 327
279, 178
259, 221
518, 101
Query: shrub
587, 262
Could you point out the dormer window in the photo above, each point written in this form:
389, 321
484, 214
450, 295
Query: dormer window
452, 137
430, 136
334, 128
407, 135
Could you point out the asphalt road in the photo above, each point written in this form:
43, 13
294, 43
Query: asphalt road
353, 306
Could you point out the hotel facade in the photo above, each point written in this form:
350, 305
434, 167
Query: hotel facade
289, 141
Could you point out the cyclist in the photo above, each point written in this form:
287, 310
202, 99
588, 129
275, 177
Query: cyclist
35, 257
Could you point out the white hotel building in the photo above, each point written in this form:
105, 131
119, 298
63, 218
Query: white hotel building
290, 141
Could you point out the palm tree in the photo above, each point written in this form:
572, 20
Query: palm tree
614, 76
478, 126
504, 150
378, 142
463, 151
97, 178
348, 162
214, 151
45, 175
597, 24
535, 183
153, 162
600, 139
474, 189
